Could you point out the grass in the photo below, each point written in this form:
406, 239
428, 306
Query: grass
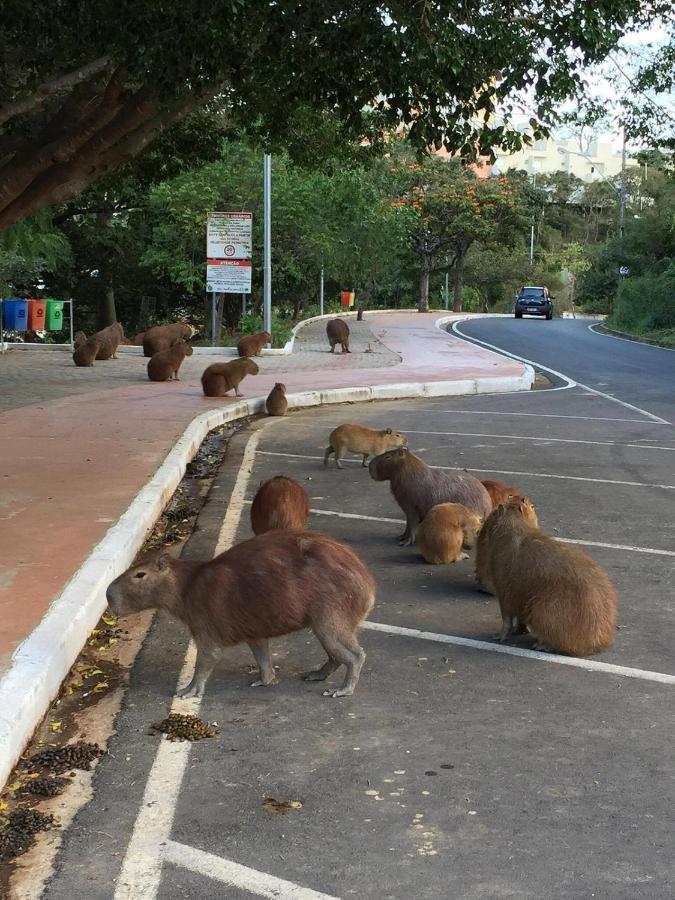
662, 337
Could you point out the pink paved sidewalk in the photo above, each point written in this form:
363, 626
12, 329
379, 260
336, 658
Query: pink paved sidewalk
71, 467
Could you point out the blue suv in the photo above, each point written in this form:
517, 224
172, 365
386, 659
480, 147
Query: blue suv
534, 301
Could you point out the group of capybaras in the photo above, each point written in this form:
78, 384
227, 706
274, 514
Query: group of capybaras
288, 578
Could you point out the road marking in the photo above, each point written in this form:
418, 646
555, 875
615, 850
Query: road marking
571, 383
236, 875
589, 665
640, 484
494, 412
615, 337
524, 437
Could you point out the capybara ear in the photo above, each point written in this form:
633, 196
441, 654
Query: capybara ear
388, 430
163, 561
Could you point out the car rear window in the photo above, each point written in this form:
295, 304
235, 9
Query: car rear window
534, 293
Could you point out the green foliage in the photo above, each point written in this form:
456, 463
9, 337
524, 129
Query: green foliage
646, 303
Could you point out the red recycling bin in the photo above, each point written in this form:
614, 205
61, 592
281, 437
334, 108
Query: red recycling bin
37, 315
347, 298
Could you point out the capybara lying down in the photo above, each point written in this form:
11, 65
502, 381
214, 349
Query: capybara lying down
349, 438
276, 403
279, 502
338, 333
273, 584
252, 344
417, 488
499, 492
161, 337
164, 366
86, 351
109, 340
528, 513
564, 598
447, 530
219, 378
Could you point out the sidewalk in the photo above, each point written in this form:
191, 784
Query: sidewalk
79, 444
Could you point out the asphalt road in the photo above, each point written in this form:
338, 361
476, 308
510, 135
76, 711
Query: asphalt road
454, 771
636, 373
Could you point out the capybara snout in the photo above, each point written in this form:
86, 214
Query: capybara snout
136, 589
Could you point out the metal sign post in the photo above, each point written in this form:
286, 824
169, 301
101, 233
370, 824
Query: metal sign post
321, 293
267, 258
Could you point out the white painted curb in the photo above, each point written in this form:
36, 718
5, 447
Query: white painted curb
42, 661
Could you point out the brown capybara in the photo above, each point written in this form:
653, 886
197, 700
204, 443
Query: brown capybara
528, 512
279, 502
417, 488
87, 352
109, 339
338, 333
252, 344
563, 597
219, 378
137, 339
79, 338
274, 584
350, 438
164, 366
446, 531
499, 492
161, 337
276, 403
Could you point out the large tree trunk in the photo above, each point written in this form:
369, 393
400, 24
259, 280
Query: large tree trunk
106, 314
424, 285
363, 305
458, 279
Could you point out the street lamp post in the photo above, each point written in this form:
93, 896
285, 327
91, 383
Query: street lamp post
267, 243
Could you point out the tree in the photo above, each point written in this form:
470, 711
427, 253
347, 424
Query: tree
86, 87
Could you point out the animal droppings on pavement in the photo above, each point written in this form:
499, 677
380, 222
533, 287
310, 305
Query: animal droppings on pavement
45, 786
61, 759
183, 727
18, 830
280, 807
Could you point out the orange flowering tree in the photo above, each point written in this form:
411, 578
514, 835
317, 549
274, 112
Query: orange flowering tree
453, 209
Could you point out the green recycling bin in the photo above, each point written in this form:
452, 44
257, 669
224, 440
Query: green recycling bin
54, 316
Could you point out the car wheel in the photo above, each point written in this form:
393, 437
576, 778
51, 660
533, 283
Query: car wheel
519, 315
549, 316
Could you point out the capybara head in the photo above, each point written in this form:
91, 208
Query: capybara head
472, 525
393, 439
520, 507
382, 467
280, 387
187, 348
249, 366
139, 587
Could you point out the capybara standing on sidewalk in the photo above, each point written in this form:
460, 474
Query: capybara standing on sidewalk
164, 366
109, 340
350, 438
276, 403
499, 492
86, 352
220, 378
161, 337
566, 600
273, 584
338, 333
528, 513
252, 344
417, 488
447, 530
279, 502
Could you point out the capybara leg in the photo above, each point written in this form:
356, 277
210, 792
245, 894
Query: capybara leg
338, 459
332, 348
324, 672
207, 656
237, 392
345, 348
519, 627
407, 539
365, 460
462, 555
328, 452
544, 648
507, 628
343, 649
261, 651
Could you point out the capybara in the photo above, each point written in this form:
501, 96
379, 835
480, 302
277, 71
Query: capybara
499, 492
79, 338
137, 339
350, 438
338, 333
563, 597
161, 337
109, 339
279, 502
164, 366
529, 514
252, 344
87, 352
447, 530
274, 584
219, 378
276, 403
417, 488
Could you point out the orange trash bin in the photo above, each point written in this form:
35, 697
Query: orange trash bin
37, 315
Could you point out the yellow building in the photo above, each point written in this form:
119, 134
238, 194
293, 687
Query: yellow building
589, 159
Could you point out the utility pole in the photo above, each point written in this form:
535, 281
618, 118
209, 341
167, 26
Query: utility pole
622, 198
321, 293
267, 243
446, 293
532, 242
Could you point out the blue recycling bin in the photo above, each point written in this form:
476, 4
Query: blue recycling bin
15, 314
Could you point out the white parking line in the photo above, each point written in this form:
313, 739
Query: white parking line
544, 440
640, 484
494, 412
590, 665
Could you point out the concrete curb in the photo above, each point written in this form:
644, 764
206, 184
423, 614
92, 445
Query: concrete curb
43, 659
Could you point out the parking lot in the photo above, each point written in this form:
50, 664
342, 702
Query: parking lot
456, 770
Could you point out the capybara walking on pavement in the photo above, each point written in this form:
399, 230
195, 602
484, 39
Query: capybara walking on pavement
271, 585
338, 333
279, 502
446, 531
563, 597
109, 340
161, 337
276, 403
252, 344
86, 352
350, 438
219, 378
417, 488
164, 366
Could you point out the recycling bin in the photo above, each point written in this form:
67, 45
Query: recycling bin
36, 315
347, 298
54, 316
15, 314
